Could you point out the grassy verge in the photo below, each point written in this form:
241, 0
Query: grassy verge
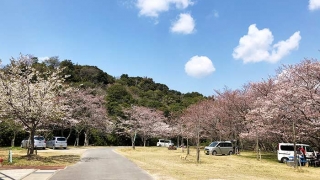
167, 164
47, 157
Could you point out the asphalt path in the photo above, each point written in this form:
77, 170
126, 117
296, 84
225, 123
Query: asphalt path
100, 164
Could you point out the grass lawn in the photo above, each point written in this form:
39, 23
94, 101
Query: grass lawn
162, 163
47, 157
167, 164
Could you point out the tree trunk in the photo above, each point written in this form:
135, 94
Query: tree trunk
76, 143
188, 150
198, 147
182, 144
132, 142
13, 138
294, 145
178, 141
144, 142
70, 130
86, 138
257, 145
32, 132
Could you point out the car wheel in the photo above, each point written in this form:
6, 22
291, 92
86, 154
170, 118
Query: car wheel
284, 160
65, 148
230, 153
214, 153
43, 148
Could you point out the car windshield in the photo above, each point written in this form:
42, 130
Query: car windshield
61, 139
309, 149
213, 144
39, 138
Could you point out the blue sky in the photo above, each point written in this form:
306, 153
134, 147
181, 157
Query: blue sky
189, 45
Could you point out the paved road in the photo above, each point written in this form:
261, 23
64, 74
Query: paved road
102, 164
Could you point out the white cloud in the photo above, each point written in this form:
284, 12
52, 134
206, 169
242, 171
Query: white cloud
257, 44
152, 8
199, 66
41, 59
283, 48
314, 5
184, 25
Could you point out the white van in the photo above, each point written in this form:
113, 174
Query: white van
285, 150
164, 143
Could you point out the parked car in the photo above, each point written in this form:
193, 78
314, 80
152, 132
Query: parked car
286, 150
57, 142
39, 142
219, 147
164, 143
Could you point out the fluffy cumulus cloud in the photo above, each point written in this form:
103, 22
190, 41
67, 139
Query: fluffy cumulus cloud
152, 8
314, 5
199, 66
257, 46
184, 25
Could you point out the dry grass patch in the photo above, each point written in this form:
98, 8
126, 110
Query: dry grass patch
167, 164
47, 157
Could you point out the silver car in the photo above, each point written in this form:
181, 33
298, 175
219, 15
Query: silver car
219, 147
39, 142
57, 142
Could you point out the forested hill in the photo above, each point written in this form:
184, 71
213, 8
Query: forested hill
126, 91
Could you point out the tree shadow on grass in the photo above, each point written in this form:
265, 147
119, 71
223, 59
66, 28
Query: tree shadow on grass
267, 156
60, 159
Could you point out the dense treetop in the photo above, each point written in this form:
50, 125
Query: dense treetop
124, 91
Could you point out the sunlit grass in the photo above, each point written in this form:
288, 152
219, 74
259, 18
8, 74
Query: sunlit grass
47, 157
167, 164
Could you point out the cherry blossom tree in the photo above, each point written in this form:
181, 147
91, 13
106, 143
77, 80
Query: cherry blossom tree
129, 125
87, 111
185, 130
212, 121
171, 126
231, 109
29, 96
162, 129
296, 100
286, 107
146, 122
195, 117
259, 119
